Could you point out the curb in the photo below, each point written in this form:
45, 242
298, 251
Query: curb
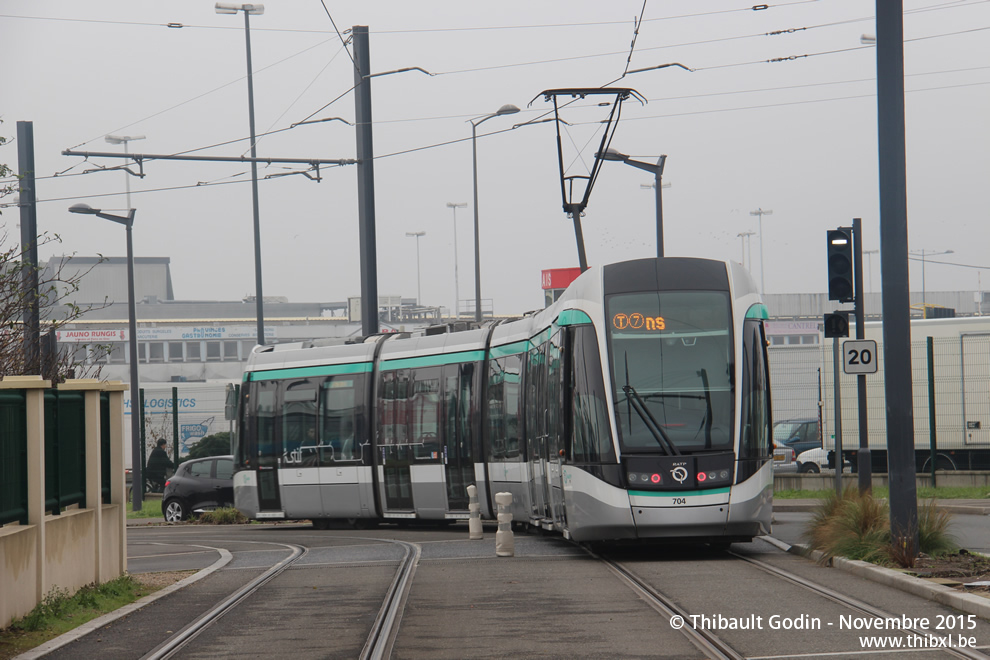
110, 617
968, 603
782, 506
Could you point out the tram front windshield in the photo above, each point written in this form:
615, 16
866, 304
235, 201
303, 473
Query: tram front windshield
671, 356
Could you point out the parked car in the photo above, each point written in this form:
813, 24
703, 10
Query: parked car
199, 485
798, 434
784, 460
816, 460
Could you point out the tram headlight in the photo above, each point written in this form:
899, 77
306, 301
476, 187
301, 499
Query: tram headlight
702, 476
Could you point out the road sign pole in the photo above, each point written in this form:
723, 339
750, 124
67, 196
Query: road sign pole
864, 462
837, 402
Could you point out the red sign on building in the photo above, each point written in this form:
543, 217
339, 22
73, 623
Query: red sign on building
559, 278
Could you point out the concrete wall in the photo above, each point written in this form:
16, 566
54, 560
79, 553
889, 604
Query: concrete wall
957, 478
79, 546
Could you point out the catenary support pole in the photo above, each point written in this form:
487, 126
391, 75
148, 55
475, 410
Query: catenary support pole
29, 247
366, 181
894, 272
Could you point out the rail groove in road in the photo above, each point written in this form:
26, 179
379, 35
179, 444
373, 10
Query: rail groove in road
852, 603
708, 642
386, 626
384, 629
174, 644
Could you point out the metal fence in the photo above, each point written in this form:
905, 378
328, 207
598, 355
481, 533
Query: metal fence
182, 415
65, 452
802, 378
13, 457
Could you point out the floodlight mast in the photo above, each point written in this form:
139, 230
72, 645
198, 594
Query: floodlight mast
570, 184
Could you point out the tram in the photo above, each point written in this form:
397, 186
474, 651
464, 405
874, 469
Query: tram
636, 406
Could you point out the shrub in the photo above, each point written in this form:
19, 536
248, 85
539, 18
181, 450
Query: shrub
858, 527
223, 516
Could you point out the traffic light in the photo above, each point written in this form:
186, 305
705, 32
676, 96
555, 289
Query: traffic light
840, 265
836, 325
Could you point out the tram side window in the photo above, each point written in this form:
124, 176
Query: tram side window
504, 421
393, 405
467, 404
259, 442
342, 425
590, 429
299, 423
536, 396
424, 413
754, 443
555, 394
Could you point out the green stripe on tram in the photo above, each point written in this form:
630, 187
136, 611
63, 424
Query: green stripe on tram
573, 317
758, 311
433, 360
680, 493
509, 349
311, 372
540, 338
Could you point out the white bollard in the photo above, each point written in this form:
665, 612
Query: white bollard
474, 513
505, 543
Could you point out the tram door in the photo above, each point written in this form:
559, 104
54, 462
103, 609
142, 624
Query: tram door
458, 456
266, 460
396, 452
556, 409
536, 430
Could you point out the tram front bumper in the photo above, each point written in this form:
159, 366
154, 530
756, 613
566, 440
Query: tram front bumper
689, 515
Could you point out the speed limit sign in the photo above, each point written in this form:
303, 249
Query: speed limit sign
859, 356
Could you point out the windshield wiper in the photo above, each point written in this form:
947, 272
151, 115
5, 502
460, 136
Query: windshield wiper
651, 424
707, 421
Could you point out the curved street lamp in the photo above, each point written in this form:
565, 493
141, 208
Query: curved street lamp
137, 480
417, 235
657, 172
507, 109
257, 10
924, 253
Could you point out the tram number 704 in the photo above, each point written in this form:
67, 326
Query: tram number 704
680, 500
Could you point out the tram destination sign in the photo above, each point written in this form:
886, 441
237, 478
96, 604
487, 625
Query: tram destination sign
859, 356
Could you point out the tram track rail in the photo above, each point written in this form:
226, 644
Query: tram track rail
852, 603
709, 643
386, 625
715, 647
384, 629
177, 642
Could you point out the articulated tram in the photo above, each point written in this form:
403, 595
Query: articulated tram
635, 407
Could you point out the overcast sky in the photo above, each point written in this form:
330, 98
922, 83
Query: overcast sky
741, 133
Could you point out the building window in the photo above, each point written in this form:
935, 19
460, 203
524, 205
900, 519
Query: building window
117, 351
194, 352
156, 351
175, 351
212, 351
230, 351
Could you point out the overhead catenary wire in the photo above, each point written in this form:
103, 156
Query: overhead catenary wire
781, 59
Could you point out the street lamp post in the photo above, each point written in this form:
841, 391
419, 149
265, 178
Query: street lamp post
417, 235
507, 109
137, 480
746, 245
124, 139
760, 212
869, 264
457, 292
923, 254
224, 8
657, 172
